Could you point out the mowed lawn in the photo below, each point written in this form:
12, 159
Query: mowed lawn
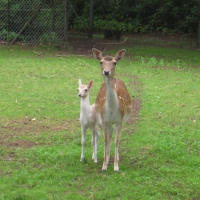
40, 135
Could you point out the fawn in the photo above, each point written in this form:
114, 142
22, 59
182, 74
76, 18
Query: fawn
88, 119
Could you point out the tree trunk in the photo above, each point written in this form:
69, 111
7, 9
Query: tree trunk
198, 31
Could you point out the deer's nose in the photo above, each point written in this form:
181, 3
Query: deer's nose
106, 72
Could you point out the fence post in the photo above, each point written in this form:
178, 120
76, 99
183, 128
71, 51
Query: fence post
8, 21
90, 31
66, 25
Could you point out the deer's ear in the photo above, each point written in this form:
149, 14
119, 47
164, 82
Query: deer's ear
120, 54
90, 84
97, 54
79, 82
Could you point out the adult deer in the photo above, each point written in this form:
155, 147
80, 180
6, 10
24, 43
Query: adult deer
113, 103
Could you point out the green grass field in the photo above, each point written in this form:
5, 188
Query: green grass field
40, 137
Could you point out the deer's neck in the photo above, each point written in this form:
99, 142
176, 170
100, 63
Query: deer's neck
85, 104
111, 97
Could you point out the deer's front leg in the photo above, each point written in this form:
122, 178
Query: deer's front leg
109, 135
117, 138
107, 139
105, 161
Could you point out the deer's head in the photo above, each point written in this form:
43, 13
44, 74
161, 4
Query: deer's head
108, 63
83, 90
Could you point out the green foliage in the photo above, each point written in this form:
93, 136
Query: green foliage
11, 36
45, 25
153, 62
143, 16
3, 34
48, 37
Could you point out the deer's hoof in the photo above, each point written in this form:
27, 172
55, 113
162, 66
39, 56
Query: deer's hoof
116, 168
104, 168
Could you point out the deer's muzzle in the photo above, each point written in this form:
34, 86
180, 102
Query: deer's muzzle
106, 73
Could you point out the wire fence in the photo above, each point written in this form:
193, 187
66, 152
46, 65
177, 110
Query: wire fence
33, 22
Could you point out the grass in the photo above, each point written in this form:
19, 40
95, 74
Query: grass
40, 132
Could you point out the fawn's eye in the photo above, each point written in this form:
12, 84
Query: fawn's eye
115, 63
100, 63
85, 90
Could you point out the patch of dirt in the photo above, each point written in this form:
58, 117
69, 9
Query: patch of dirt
32, 125
134, 117
21, 143
14, 133
136, 101
82, 46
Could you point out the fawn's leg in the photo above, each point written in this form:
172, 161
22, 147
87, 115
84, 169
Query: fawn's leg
83, 140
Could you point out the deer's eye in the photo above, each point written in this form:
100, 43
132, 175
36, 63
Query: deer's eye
85, 90
115, 63
100, 63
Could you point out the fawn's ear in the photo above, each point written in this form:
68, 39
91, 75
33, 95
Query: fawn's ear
79, 82
97, 54
120, 54
90, 84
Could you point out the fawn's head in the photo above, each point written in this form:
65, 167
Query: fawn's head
108, 63
83, 90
